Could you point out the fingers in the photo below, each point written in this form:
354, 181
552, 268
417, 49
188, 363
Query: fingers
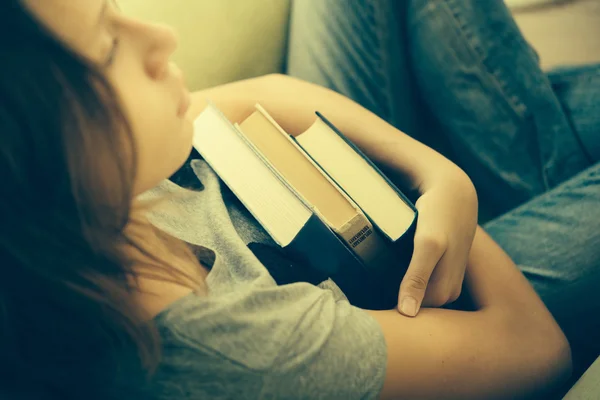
428, 249
445, 284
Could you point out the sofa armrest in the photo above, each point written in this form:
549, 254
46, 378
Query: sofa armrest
588, 386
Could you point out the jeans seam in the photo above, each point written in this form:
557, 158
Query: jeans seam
518, 107
519, 110
586, 154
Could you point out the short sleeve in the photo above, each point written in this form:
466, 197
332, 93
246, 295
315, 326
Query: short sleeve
335, 354
296, 341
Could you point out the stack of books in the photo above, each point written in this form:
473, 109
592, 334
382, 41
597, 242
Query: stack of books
318, 196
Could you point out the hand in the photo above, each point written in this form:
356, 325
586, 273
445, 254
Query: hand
444, 234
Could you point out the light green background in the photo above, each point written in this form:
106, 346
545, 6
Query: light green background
221, 40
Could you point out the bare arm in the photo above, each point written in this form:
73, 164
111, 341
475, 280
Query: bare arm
293, 102
447, 200
510, 348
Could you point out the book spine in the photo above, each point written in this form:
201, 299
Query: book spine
366, 242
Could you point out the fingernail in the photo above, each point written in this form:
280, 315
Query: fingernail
409, 306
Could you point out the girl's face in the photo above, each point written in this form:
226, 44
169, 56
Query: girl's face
135, 56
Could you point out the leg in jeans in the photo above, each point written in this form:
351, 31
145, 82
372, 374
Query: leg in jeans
357, 48
481, 81
519, 133
555, 240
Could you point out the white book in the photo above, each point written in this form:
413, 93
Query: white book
281, 213
349, 168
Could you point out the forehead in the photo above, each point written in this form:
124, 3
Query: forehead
74, 21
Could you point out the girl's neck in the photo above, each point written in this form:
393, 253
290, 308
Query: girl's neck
165, 269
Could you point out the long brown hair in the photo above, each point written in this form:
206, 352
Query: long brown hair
67, 165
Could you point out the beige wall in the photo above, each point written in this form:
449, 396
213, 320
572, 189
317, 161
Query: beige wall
221, 40
565, 33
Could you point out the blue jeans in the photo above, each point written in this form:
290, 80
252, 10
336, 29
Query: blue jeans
529, 140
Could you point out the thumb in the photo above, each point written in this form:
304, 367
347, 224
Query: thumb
426, 254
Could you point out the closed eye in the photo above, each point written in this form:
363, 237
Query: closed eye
112, 54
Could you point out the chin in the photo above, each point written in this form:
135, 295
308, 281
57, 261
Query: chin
150, 174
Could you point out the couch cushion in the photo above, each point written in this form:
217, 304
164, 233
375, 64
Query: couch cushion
221, 40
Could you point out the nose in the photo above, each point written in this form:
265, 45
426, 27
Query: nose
162, 42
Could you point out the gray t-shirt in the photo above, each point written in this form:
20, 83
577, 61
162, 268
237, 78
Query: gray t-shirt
250, 338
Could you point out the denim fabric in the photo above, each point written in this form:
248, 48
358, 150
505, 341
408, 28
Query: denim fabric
356, 47
578, 90
506, 125
529, 140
